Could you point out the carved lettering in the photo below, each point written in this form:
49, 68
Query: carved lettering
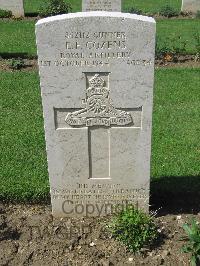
95, 49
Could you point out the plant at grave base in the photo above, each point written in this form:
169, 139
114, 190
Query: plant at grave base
5, 13
134, 228
168, 11
169, 51
185, 13
181, 49
134, 10
55, 7
197, 45
193, 246
198, 14
16, 64
163, 51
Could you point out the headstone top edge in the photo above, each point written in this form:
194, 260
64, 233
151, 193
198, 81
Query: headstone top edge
95, 14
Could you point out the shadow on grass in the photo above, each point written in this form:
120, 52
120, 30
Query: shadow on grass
175, 194
17, 56
169, 195
31, 14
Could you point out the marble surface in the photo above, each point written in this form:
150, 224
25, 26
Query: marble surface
97, 76
190, 6
16, 6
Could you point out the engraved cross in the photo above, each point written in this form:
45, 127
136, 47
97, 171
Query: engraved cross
99, 116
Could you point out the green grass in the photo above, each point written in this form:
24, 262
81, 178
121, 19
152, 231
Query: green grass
19, 36
176, 132
150, 6
23, 157
175, 32
176, 127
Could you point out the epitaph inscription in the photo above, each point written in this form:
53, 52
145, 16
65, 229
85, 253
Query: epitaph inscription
97, 93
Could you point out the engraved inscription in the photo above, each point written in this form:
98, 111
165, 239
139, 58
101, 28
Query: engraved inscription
100, 192
99, 5
95, 49
98, 110
102, 5
61, 113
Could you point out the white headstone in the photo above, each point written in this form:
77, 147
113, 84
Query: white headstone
190, 6
97, 75
101, 5
16, 6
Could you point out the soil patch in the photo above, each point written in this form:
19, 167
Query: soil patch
29, 65
181, 61
36, 17
181, 16
32, 18
29, 235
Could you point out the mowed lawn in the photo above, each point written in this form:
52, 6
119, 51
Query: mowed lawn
176, 132
150, 6
18, 37
23, 158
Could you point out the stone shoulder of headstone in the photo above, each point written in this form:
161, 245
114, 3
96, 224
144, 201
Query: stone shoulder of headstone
16, 6
95, 14
96, 76
190, 6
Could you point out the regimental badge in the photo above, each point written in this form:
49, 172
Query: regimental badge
98, 109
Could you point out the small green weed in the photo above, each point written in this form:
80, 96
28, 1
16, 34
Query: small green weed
162, 50
170, 47
198, 14
193, 236
134, 10
5, 13
133, 228
16, 64
55, 7
197, 45
168, 11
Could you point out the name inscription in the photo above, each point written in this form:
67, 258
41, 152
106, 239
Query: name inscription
95, 49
